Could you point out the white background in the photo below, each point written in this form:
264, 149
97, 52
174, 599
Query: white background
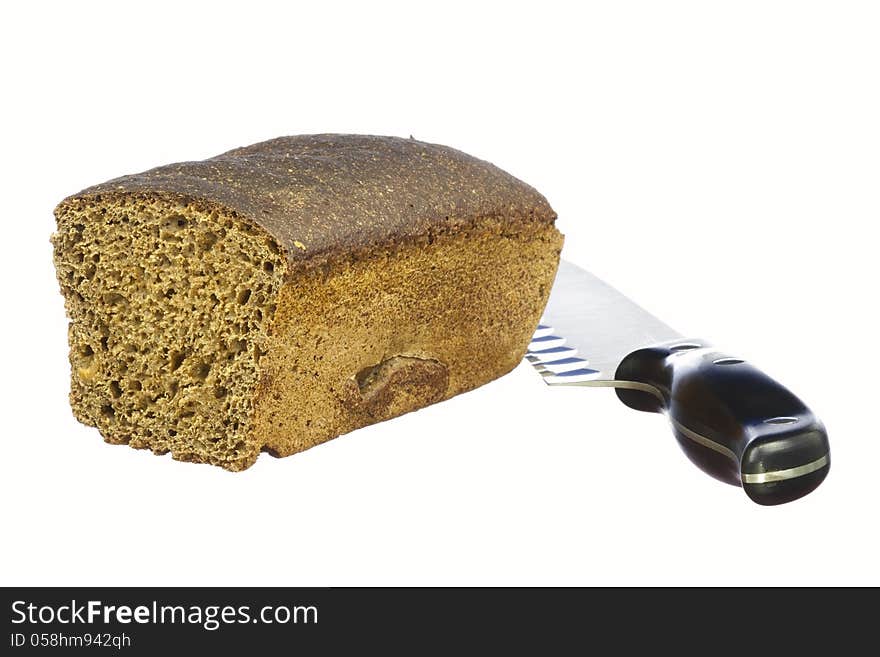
718, 162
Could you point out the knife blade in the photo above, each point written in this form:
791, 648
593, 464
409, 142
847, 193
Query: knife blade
733, 421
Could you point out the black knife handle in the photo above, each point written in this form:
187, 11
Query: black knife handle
732, 420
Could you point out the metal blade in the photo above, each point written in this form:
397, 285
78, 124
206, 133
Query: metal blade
597, 325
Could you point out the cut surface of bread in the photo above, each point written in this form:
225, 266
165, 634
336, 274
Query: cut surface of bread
280, 295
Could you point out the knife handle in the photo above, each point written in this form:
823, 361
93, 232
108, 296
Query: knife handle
732, 420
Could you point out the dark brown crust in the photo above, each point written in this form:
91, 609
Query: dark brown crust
322, 196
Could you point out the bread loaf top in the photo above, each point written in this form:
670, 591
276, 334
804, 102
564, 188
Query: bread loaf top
325, 195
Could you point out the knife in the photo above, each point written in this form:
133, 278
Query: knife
732, 421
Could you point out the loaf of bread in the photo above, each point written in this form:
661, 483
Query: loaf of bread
282, 294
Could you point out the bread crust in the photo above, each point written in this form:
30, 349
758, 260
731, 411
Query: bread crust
328, 196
